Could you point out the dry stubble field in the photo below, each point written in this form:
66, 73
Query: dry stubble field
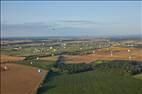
118, 53
19, 79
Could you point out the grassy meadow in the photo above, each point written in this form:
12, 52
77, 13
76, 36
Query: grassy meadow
104, 79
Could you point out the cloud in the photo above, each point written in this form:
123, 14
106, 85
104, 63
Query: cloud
25, 27
68, 27
79, 21
39, 26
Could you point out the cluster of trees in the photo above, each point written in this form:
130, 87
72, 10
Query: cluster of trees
74, 68
137, 68
133, 67
30, 57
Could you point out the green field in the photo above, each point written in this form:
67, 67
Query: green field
104, 79
37, 63
139, 76
94, 82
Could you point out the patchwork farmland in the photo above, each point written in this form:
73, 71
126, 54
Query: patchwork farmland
81, 66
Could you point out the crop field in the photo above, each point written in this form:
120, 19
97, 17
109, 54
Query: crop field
20, 79
6, 58
119, 53
50, 58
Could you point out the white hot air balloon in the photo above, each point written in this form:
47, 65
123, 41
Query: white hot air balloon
51, 47
31, 62
129, 50
111, 53
130, 57
5, 68
37, 58
39, 70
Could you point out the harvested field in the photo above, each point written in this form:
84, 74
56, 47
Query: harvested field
105, 54
51, 58
6, 58
20, 79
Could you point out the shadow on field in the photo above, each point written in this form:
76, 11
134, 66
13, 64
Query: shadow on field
45, 86
50, 76
60, 60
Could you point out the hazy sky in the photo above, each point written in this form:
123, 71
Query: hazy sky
70, 18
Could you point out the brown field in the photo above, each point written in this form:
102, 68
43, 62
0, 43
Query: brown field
119, 53
104, 54
6, 58
51, 58
20, 79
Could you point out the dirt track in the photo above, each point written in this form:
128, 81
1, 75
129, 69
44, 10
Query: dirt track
20, 79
